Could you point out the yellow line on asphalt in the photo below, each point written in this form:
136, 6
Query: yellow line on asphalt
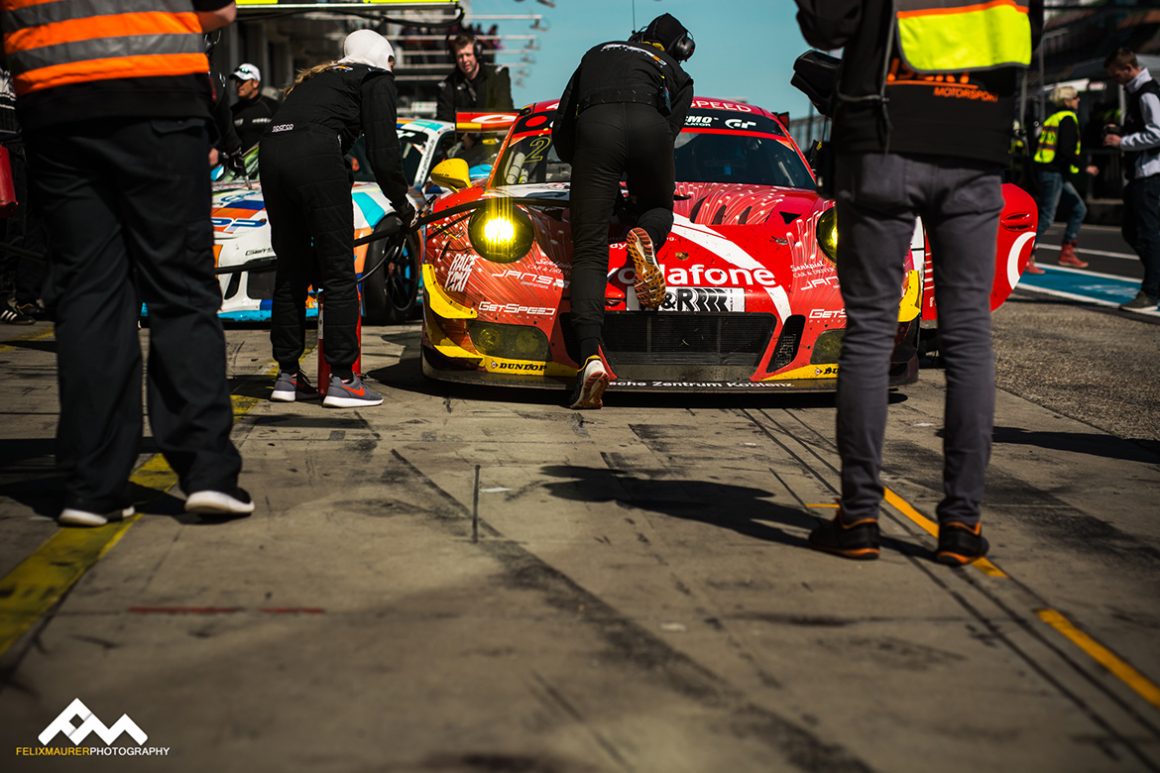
1121, 669
930, 527
8, 346
823, 505
40, 581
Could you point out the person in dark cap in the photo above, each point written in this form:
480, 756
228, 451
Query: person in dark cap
618, 117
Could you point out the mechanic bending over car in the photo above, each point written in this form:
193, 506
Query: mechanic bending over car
619, 115
307, 191
910, 145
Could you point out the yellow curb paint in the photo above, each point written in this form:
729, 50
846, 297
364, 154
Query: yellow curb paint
930, 527
39, 582
1121, 669
12, 343
823, 505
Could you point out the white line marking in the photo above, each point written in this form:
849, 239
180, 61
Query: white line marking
1086, 299
1086, 251
1086, 272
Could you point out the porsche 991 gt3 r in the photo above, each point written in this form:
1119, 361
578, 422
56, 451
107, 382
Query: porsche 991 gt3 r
752, 299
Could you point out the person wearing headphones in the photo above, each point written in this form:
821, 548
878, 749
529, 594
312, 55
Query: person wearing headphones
307, 192
472, 86
619, 116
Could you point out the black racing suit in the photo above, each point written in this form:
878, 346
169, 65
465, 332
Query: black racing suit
252, 118
619, 116
491, 89
307, 191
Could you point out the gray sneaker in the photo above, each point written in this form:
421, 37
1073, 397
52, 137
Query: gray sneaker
293, 386
1141, 301
350, 394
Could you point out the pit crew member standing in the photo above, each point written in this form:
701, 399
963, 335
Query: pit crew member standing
909, 145
1140, 143
619, 115
472, 86
307, 193
1058, 156
119, 164
253, 111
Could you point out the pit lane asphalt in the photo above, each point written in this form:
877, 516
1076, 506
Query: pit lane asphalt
640, 597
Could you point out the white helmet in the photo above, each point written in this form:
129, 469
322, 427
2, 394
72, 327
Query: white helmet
370, 48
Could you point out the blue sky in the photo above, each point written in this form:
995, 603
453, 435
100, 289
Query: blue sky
745, 48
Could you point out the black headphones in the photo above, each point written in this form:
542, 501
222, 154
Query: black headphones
475, 45
680, 49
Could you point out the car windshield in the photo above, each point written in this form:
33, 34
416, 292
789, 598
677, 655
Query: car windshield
750, 158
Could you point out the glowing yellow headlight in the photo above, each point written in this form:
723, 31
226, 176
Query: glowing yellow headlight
500, 231
828, 233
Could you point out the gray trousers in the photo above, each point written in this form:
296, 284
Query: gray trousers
879, 196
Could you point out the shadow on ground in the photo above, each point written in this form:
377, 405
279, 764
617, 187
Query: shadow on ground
742, 509
1092, 443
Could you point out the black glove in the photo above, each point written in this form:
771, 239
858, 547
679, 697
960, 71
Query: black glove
235, 161
406, 212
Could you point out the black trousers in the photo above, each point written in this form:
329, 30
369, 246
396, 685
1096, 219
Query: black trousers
127, 202
1141, 228
614, 141
307, 191
24, 230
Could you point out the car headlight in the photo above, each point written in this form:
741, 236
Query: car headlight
500, 231
516, 342
827, 347
827, 233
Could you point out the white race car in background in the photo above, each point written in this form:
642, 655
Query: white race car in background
244, 257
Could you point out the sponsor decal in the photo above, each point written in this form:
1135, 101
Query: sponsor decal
713, 104
699, 120
826, 370
620, 382
515, 308
459, 272
501, 366
76, 723
697, 274
262, 251
282, 127
827, 313
532, 278
739, 123
704, 299
230, 225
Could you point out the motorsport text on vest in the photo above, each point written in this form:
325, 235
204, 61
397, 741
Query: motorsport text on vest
61, 42
938, 36
1049, 138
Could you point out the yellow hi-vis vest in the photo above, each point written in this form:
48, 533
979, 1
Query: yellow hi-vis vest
955, 36
1049, 138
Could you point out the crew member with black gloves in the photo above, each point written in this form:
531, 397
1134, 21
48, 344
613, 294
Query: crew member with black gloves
307, 192
253, 111
922, 127
472, 86
619, 115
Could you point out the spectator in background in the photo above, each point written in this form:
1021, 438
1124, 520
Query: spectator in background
1139, 141
1058, 156
253, 111
120, 171
23, 254
472, 86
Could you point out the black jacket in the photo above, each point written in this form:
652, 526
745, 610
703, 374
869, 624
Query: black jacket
252, 118
349, 100
490, 90
622, 72
961, 119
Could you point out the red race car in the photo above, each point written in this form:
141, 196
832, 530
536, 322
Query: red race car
752, 298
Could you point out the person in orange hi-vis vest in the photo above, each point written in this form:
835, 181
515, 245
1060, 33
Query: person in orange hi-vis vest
113, 98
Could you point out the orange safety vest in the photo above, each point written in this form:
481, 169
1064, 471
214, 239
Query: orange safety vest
52, 43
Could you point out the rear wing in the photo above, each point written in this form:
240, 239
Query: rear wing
485, 123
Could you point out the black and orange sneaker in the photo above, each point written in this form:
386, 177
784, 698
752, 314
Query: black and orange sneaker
650, 279
960, 544
857, 541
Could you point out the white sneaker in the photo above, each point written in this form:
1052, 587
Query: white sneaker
71, 516
236, 501
591, 382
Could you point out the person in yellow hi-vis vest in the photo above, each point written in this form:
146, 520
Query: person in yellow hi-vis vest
1057, 158
922, 122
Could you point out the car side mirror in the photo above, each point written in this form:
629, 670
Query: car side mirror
816, 75
452, 173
